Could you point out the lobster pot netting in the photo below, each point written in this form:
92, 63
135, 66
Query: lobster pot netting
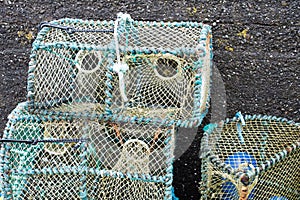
252, 158
131, 68
72, 80
90, 159
168, 67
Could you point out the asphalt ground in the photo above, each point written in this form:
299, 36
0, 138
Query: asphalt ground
256, 55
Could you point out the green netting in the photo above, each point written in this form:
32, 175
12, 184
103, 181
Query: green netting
253, 159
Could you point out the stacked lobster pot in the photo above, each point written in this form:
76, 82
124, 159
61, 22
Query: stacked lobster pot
104, 101
251, 157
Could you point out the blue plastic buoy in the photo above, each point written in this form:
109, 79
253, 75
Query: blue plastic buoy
278, 198
228, 188
238, 158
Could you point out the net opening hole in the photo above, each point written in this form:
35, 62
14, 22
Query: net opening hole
167, 68
88, 62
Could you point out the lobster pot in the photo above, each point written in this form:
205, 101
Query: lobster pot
256, 157
168, 68
152, 70
85, 159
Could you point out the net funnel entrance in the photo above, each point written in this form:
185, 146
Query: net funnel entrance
257, 159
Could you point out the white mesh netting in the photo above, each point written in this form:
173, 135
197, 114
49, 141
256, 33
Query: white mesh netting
103, 102
119, 161
61, 79
265, 147
167, 68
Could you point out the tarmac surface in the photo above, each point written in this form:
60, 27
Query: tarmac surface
256, 55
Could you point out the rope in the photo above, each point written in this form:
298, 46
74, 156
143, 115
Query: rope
119, 67
71, 30
36, 141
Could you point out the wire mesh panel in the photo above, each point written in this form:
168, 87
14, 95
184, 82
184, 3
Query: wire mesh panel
151, 70
251, 158
48, 158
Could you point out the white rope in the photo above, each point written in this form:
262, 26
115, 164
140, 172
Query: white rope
205, 76
119, 67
